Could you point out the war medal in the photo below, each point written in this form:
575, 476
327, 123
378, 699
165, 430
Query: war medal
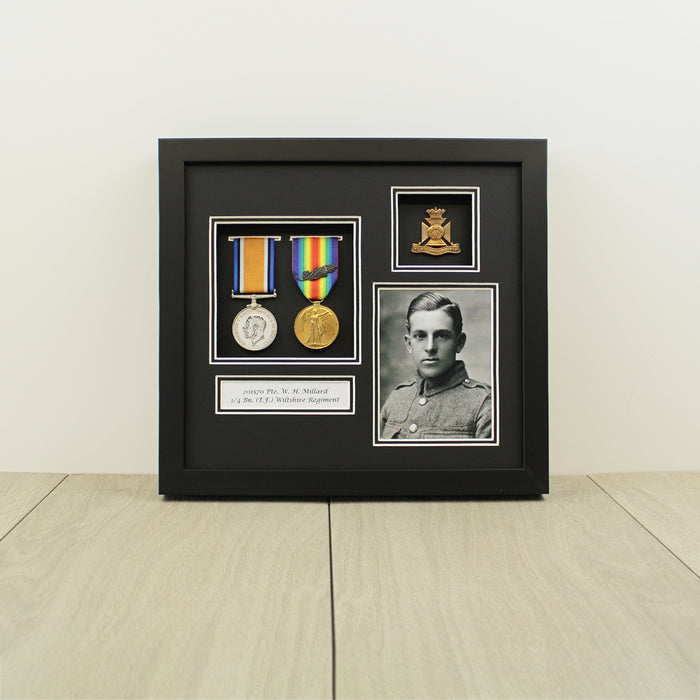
254, 327
315, 269
436, 235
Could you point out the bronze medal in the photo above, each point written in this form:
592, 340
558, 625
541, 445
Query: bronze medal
316, 326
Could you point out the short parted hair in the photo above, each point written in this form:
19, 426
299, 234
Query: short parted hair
430, 301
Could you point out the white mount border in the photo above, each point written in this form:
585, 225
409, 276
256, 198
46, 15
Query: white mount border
473, 191
350, 379
493, 441
356, 221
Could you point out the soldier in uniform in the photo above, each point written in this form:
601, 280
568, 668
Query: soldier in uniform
441, 401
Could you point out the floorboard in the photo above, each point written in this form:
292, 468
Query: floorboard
108, 591
666, 503
20, 493
563, 597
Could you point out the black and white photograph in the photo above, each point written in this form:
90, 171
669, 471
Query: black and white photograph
436, 379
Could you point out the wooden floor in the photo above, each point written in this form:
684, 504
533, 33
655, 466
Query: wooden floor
109, 591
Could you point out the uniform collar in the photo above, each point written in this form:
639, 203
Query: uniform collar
434, 385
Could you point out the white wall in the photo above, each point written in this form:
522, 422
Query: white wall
89, 86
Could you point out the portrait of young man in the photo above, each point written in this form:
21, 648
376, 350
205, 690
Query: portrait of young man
437, 398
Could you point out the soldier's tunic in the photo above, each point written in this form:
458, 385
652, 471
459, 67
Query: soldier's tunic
446, 407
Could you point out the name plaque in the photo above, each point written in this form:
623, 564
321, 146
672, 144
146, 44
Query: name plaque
285, 395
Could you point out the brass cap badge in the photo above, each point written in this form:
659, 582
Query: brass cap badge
435, 235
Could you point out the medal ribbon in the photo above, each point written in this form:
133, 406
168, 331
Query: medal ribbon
309, 253
253, 265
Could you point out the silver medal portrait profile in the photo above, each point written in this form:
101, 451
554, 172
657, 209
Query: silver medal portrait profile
254, 327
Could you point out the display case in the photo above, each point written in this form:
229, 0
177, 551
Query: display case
353, 317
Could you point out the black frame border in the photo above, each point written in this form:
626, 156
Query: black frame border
175, 479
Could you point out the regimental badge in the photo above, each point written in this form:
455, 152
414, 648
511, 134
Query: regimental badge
315, 269
436, 235
254, 327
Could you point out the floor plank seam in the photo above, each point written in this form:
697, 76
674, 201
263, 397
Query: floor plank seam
330, 555
644, 527
33, 508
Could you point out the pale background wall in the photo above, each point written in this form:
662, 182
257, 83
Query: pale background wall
88, 87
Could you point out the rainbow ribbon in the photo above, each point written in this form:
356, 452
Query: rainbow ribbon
309, 253
253, 265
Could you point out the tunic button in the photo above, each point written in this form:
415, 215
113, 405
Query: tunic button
422, 401
413, 427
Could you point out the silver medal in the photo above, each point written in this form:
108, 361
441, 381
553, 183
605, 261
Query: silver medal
254, 327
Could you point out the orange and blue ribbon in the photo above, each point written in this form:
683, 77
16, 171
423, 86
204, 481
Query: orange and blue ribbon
253, 265
309, 253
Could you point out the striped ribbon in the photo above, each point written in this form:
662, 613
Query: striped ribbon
308, 253
253, 265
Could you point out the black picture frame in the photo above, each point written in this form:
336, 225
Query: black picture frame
206, 452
